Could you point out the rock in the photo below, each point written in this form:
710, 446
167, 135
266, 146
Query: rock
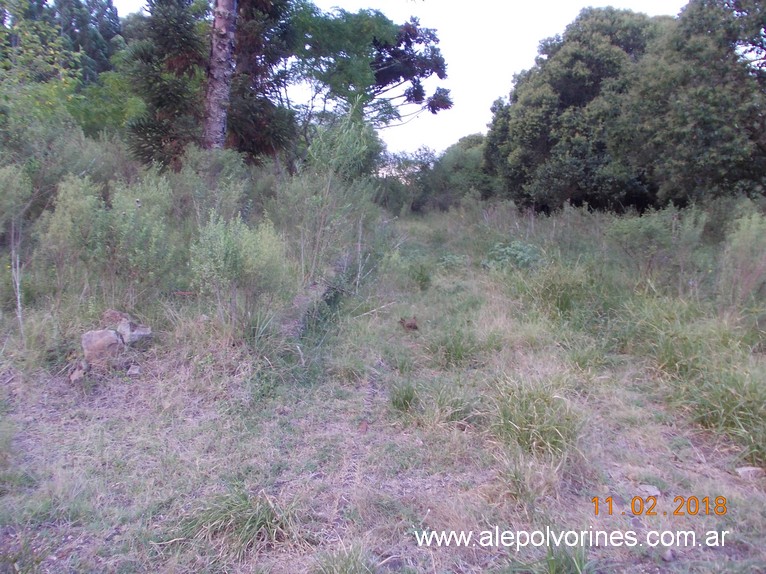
131, 330
78, 371
111, 318
134, 371
751, 472
100, 347
133, 333
669, 555
649, 490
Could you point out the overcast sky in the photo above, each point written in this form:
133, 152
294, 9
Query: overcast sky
485, 42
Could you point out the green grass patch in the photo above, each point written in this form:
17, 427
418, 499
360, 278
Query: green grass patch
535, 416
353, 560
238, 523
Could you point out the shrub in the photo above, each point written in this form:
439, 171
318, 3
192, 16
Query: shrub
237, 265
16, 192
643, 240
130, 246
144, 250
742, 278
73, 237
209, 181
515, 254
326, 209
664, 249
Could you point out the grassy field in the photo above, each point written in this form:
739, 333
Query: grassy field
556, 360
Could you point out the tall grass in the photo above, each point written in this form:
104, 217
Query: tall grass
238, 523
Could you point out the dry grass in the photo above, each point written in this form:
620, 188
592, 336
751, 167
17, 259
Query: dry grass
499, 411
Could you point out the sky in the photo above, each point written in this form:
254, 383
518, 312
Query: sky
484, 42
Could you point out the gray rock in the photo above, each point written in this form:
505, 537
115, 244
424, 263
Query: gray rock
101, 347
133, 333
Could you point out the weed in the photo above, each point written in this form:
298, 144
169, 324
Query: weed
420, 273
450, 261
238, 523
455, 348
404, 397
515, 254
742, 280
535, 416
353, 560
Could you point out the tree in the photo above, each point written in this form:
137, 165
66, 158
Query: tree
366, 58
549, 142
260, 120
220, 70
89, 28
693, 119
750, 22
166, 72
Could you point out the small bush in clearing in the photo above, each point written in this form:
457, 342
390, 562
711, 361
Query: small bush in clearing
236, 265
515, 254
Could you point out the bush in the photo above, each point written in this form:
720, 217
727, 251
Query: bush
742, 278
74, 236
209, 181
238, 265
644, 240
129, 246
664, 248
515, 254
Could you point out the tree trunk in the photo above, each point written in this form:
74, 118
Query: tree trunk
220, 72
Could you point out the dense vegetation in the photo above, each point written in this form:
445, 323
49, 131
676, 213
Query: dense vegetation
588, 280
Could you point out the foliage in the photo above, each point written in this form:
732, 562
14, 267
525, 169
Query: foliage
31, 49
548, 144
742, 279
260, 121
517, 254
166, 72
442, 182
88, 29
673, 125
208, 182
14, 200
325, 208
363, 59
127, 243
624, 110
237, 265
106, 105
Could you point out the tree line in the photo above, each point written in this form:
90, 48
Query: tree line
620, 111
220, 74
623, 110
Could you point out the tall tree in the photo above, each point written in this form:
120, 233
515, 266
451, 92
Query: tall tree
220, 70
549, 143
693, 119
366, 58
260, 121
167, 72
